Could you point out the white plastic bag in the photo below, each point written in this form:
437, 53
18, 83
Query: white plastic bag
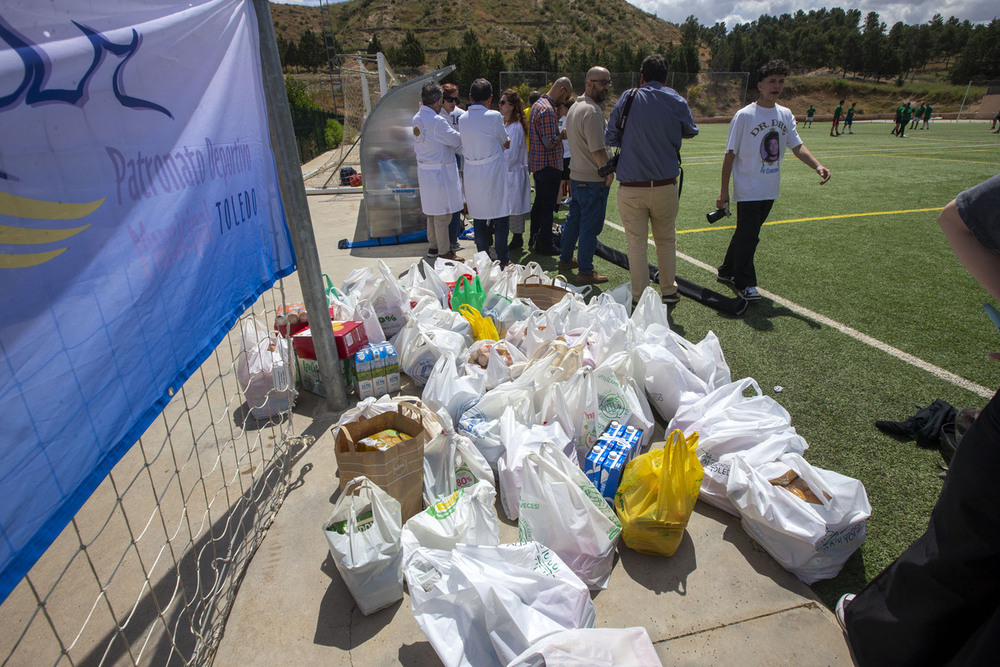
586, 647
481, 422
520, 440
728, 422
420, 346
563, 510
452, 462
668, 382
810, 540
387, 296
718, 464
263, 371
449, 390
486, 605
363, 533
466, 516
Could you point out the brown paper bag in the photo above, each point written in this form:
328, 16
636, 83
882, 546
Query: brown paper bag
398, 471
542, 294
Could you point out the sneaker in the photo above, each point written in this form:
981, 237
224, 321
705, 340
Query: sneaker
432, 252
455, 247
726, 280
671, 299
516, 242
566, 266
841, 609
594, 278
750, 293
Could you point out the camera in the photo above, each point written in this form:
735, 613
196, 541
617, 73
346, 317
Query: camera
718, 214
608, 167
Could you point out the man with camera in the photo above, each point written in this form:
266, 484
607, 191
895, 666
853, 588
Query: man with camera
648, 124
585, 126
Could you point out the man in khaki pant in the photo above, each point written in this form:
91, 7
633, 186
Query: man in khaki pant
649, 135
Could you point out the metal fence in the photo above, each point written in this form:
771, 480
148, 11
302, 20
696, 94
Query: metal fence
147, 570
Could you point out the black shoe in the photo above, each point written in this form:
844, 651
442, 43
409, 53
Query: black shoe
671, 299
549, 252
726, 280
516, 242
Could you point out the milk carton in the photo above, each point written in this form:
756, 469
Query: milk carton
607, 459
364, 383
391, 367
379, 385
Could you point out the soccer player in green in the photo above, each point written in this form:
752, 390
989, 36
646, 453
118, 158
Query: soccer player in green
927, 117
905, 120
899, 119
810, 112
836, 119
849, 120
917, 117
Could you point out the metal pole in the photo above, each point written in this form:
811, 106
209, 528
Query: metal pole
959, 117
383, 85
293, 194
364, 90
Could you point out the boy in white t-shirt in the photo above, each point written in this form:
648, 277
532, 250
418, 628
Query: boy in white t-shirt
758, 136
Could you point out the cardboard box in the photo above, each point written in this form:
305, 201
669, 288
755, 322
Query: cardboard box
310, 380
399, 471
349, 337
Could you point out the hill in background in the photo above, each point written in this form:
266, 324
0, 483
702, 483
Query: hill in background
508, 25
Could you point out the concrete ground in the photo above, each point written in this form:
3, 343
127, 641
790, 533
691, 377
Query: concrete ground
719, 600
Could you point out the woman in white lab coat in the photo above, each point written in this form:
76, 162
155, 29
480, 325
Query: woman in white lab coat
518, 184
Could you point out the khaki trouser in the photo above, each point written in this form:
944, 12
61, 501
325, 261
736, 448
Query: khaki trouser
437, 233
642, 209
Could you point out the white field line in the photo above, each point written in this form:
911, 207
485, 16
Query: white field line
936, 371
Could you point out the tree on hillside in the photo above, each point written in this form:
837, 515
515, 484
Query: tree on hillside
311, 51
980, 57
374, 46
541, 56
411, 51
873, 43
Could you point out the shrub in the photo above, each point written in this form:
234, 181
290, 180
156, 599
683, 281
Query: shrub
334, 133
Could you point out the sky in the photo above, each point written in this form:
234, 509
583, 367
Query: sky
709, 12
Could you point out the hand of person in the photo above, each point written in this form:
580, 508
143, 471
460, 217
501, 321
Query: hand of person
609, 179
824, 174
721, 200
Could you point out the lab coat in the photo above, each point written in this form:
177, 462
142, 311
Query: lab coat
435, 142
485, 170
518, 185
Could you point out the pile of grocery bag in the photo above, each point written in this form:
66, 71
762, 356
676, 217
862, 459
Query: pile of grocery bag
553, 409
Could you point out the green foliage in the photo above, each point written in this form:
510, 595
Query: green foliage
334, 133
411, 51
374, 45
471, 62
298, 97
311, 52
980, 57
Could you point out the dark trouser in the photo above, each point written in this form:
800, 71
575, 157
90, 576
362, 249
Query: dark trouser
498, 239
546, 194
750, 217
940, 600
455, 227
585, 220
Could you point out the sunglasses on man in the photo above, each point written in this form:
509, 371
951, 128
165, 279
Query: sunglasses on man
453, 100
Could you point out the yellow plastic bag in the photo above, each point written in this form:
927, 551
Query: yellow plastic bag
657, 495
483, 328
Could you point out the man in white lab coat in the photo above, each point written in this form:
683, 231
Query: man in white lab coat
484, 140
435, 142
453, 112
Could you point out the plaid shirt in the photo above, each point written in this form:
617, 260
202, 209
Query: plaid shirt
544, 124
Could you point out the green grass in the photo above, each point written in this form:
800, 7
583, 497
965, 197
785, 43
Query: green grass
892, 277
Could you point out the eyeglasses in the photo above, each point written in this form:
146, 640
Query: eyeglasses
503, 102
453, 100
603, 82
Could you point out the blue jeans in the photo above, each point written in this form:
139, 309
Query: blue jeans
501, 230
584, 222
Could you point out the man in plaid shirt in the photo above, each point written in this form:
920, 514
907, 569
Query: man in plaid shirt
545, 161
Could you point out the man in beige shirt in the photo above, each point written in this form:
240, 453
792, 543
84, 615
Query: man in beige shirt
585, 126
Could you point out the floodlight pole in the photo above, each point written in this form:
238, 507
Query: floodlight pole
383, 84
959, 117
293, 195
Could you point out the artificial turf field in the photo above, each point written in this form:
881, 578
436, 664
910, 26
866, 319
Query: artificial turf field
863, 251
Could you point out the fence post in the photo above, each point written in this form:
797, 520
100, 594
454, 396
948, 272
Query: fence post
293, 194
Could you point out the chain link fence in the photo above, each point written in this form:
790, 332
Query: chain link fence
147, 570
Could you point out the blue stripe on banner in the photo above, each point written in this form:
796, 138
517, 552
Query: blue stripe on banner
139, 218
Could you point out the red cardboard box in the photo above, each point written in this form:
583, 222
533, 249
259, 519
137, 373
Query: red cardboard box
349, 336
295, 327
